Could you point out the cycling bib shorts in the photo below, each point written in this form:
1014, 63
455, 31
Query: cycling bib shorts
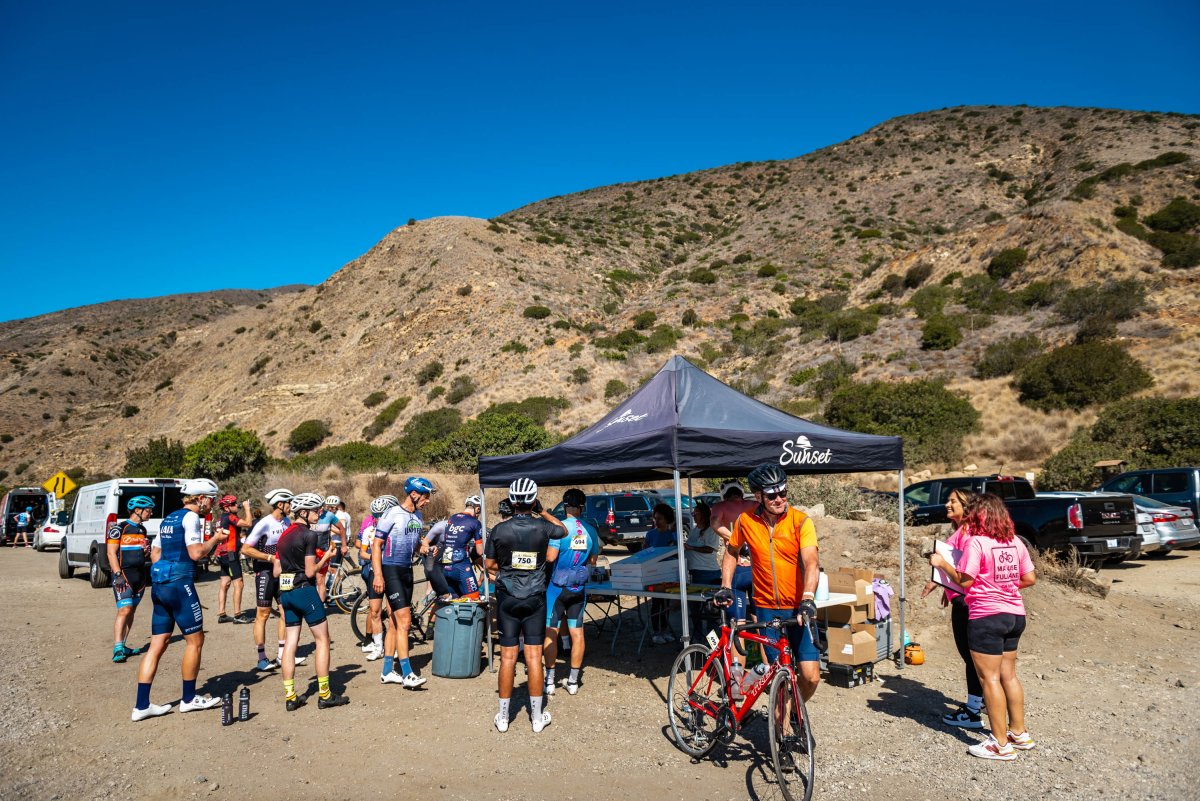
266, 588
231, 565
368, 575
521, 616
565, 604
302, 603
176, 604
398, 586
129, 592
461, 579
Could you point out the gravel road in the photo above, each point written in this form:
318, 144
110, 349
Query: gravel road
1111, 689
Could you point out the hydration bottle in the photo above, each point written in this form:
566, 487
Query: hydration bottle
226, 709
244, 704
823, 586
735, 681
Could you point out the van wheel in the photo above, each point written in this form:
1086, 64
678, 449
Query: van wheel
65, 571
98, 576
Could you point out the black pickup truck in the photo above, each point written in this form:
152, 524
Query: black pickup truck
1097, 528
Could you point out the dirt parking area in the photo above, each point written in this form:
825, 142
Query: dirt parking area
1112, 698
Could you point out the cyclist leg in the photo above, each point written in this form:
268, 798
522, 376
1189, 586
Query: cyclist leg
554, 616
574, 608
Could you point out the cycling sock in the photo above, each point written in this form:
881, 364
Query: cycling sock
388, 663
377, 639
262, 653
535, 706
405, 667
143, 695
503, 703
289, 689
550, 676
280, 656
323, 687
189, 690
574, 678
974, 703
119, 645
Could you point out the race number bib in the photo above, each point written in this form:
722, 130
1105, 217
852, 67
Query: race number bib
287, 581
524, 560
579, 542
447, 556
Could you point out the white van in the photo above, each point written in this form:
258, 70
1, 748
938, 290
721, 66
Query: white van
98, 506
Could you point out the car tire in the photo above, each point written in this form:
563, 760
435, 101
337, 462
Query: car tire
98, 576
65, 569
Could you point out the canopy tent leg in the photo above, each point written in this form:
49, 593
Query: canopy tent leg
483, 591
679, 536
900, 496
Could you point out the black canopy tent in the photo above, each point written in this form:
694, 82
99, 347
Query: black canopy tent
685, 423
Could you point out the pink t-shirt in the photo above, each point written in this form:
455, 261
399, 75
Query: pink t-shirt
997, 568
958, 541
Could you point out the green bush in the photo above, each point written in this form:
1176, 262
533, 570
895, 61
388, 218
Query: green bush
514, 346
893, 284
536, 312
374, 399
352, 457
225, 453
930, 301
702, 276
487, 435
1006, 262
850, 324
1038, 294
314, 326
940, 333
615, 388
831, 376
158, 458
384, 419
1073, 467
1117, 300
461, 388
1177, 216
1075, 376
983, 294
1179, 250
662, 339
1096, 329
643, 320
425, 427
917, 274
538, 408
129, 411
430, 372
308, 435
580, 375
1008, 355
689, 318
742, 258
767, 270
932, 419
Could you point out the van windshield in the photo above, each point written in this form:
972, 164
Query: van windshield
167, 498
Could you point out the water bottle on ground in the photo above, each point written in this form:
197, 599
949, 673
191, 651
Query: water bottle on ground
226, 709
244, 704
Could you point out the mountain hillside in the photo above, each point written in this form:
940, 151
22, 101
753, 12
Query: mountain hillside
586, 295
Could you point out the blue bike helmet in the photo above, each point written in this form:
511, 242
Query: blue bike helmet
140, 502
418, 484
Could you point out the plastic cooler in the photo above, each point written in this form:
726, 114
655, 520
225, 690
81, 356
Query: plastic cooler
458, 640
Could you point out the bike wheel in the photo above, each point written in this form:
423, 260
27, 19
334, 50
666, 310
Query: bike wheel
358, 618
694, 694
348, 588
791, 739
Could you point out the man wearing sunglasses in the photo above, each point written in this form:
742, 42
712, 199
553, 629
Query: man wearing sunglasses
783, 561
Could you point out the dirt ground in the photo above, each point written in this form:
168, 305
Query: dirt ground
1111, 689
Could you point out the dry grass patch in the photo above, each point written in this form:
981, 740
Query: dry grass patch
1066, 569
1014, 438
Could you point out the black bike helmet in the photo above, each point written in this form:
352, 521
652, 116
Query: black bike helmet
506, 507
574, 497
768, 477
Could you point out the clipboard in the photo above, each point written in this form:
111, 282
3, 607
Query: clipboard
939, 576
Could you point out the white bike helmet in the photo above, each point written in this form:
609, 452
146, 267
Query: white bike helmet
383, 503
307, 501
731, 485
523, 491
278, 496
473, 500
200, 486
332, 500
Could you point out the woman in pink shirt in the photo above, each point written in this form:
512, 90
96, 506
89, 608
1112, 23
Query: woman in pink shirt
966, 716
993, 569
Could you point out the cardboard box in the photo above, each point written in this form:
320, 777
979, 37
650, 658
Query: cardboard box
847, 647
851, 581
842, 614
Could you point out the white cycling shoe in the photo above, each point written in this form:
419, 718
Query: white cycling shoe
538, 725
199, 702
412, 681
152, 711
501, 722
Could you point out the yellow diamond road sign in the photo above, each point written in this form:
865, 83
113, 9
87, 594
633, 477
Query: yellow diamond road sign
59, 483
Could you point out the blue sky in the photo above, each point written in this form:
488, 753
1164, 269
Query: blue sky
150, 148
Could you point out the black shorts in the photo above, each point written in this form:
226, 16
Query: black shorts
266, 589
302, 603
368, 575
995, 634
231, 565
519, 616
398, 586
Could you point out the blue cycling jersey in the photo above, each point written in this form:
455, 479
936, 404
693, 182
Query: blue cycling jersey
400, 531
177, 531
575, 550
461, 533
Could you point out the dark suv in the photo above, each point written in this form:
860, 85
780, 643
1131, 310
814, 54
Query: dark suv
1179, 486
621, 518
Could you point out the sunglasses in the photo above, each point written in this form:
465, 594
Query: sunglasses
769, 495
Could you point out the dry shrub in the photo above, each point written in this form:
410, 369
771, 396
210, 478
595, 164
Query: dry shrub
384, 484
1067, 569
840, 499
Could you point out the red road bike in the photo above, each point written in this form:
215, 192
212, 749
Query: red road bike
702, 714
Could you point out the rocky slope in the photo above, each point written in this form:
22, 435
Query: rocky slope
715, 255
